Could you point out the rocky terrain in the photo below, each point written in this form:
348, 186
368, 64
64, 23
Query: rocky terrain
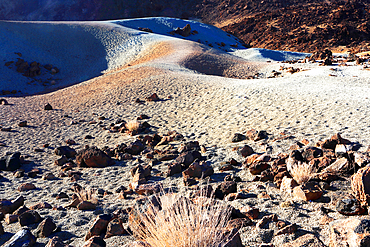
273, 24
281, 146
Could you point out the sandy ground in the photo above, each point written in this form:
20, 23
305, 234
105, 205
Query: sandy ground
205, 105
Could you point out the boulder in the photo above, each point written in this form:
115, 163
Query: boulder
8, 207
99, 226
198, 170
351, 232
309, 191
360, 184
65, 150
93, 157
225, 188
173, 168
26, 187
22, 238
115, 228
45, 228
186, 158
29, 217
48, 107
10, 162
246, 151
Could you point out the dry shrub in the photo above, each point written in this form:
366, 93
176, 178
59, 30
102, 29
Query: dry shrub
132, 126
182, 223
87, 195
301, 172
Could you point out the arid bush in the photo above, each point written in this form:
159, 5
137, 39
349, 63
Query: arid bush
132, 126
180, 222
301, 172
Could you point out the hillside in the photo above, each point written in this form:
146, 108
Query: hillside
273, 24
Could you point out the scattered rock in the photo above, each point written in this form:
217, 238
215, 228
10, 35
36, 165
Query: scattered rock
26, 187
225, 188
95, 241
22, 238
48, 107
8, 207
238, 137
22, 124
86, 205
350, 206
309, 191
115, 228
153, 97
11, 218
93, 157
29, 217
10, 162
55, 242
246, 151
360, 184
99, 226
65, 150
40, 205
292, 228
45, 228
3, 102
198, 170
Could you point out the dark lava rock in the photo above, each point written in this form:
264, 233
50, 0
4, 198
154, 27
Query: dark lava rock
48, 107
45, 228
225, 188
238, 137
10, 162
350, 206
29, 217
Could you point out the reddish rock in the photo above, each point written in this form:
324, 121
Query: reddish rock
65, 150
99, 226
147, 189
257, 167
333, 141
225, 188
238, 195
45, 228
95, 241
8, 207
307, 240
48, 107
26, 187
153, 97
11, 218
238, 137
250, 212
115, 228
239, 223
40, 205
307, 192
173, 168
22, 124
255, 135
93, 157
198, 170
55, 242
86, 205
266, 219
246, 151
350, 206
360, 184
226, 167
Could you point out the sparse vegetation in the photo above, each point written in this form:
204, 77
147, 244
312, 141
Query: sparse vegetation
302, 172
132, 126
183, 223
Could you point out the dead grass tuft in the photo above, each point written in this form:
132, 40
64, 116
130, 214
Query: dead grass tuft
132, 126
181, 222
87, 195
302, 172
